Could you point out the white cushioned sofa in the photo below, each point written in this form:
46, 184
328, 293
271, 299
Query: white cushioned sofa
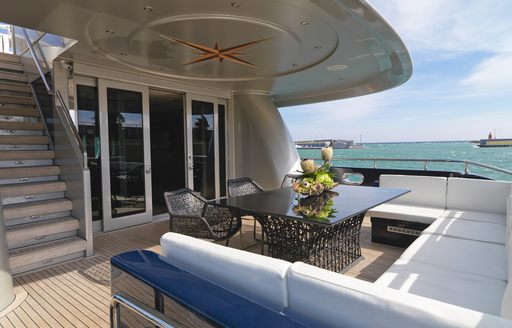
463, 256
315, 297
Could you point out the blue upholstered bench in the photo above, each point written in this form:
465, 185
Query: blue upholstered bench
213, 304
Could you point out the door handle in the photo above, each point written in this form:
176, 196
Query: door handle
148, 170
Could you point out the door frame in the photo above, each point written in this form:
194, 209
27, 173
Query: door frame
189, 160
110, 223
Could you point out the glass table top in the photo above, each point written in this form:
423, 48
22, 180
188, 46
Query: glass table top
331, 207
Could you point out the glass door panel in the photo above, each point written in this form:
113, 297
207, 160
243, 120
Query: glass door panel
167, 118
89, 130
126, 151
126, 155
203, 148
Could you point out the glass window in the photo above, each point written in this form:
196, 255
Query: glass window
203, 146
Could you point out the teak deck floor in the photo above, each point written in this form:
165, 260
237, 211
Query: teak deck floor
77, 293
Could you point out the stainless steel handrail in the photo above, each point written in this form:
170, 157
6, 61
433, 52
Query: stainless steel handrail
153, 316
62, 110
36, 60
426, 161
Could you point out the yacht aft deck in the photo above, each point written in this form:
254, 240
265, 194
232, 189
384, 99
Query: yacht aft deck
77, 294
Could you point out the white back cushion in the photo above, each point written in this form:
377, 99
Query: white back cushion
330, 299
252, 276
506, 304
425, 191
509, 214
478, 195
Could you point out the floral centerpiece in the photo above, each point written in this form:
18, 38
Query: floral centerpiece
315, 180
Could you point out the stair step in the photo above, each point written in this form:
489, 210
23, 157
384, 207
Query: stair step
36, 208
28, 172
11, 66
22, 100
41, 255
39, 231
17, 87
13, 126
6, 155
34, 188
13, 76
9, 58
13, 111
24, 140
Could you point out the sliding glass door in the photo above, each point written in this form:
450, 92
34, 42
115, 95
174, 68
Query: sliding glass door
126, 158
206, 146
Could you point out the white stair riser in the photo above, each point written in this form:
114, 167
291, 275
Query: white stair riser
41, 263
20, 133
38, 218
9, 118
32, 198
23, 147
26, 163
42, 239
29, 179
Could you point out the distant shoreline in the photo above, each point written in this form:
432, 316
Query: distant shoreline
411, 142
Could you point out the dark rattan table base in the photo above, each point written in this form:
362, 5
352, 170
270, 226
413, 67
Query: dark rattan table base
333, 247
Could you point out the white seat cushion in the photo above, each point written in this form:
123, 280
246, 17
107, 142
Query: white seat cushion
252, 276
425, 191
478, 195
402, 212
465, 229
327, 299
496, 218
467, 290
460, 255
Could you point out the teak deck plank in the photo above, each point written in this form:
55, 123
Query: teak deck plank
77, 293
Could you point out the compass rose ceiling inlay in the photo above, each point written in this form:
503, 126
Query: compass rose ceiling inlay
206, 53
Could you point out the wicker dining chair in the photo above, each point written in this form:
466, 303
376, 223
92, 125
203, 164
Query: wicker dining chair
191, 215
246, 186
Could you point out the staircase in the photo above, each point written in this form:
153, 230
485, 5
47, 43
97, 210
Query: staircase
40, 228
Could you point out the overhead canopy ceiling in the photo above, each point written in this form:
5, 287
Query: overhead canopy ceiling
299, 51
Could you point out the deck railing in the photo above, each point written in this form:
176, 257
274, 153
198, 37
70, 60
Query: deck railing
425, 161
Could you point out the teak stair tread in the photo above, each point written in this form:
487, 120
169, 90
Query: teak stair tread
9, 57
38, 253
22, 210
13, 76
23, 100
32, 230
13, 111
31, 188
26, 172
35, 126
18, 87
24, 140
6, 155
11, 66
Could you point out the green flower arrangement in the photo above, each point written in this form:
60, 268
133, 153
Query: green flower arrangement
315, 180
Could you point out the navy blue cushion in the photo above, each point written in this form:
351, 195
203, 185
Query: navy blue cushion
211, 301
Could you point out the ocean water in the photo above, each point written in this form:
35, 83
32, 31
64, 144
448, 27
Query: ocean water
457, 150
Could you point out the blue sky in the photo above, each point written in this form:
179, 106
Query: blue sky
461, 86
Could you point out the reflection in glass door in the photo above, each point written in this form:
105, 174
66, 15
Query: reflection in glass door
126, 150
206, 136
126, 165
203, 148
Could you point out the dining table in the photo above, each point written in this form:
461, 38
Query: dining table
321, 230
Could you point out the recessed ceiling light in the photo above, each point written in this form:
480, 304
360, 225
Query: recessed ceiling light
235, 4
109, 31
148, 9
337, 67
304, 22
123, 54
